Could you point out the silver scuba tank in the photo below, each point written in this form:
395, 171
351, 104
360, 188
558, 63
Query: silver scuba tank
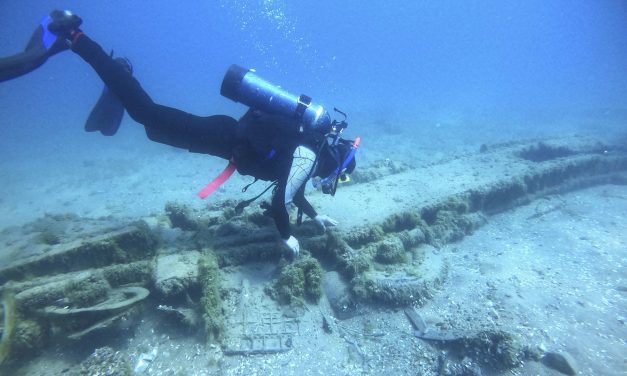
244, 86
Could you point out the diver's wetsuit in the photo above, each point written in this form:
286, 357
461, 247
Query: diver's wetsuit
217, 135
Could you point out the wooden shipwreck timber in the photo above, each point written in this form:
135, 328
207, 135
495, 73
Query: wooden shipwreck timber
393, 217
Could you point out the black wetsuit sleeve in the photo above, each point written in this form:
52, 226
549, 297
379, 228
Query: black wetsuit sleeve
279, 208
20, 64
301, 202
32, 58
215, 135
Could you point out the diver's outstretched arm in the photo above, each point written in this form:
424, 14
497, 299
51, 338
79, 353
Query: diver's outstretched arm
41, 46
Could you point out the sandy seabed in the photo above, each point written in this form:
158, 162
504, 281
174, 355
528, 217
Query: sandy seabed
552, 272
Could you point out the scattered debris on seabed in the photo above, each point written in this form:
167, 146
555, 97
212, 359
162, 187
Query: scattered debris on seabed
407, 290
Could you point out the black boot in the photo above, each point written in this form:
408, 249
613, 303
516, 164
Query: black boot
64, 24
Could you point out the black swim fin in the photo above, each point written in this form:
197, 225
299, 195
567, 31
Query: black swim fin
108, 112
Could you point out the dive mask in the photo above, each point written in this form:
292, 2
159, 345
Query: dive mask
328, 185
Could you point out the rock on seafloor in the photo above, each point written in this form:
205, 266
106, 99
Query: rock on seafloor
560, 361
176, 273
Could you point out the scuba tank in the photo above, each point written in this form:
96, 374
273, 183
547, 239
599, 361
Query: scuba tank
244, 86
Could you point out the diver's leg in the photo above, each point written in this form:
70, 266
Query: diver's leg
136, 101
212, 135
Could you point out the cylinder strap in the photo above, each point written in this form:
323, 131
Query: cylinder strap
303, 103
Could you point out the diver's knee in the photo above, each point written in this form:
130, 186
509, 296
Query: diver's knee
143, 113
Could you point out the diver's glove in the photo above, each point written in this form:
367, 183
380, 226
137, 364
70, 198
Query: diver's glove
293, 245
65, 24
324, 220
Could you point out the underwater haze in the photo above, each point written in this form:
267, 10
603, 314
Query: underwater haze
466, 73
539, 62
491, 174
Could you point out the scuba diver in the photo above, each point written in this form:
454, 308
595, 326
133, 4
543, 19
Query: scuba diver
282, 138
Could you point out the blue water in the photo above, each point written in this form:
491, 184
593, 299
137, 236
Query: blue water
464, 72
437, 73
408, 58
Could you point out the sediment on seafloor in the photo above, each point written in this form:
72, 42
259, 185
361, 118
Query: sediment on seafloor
393, 219
76, 288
